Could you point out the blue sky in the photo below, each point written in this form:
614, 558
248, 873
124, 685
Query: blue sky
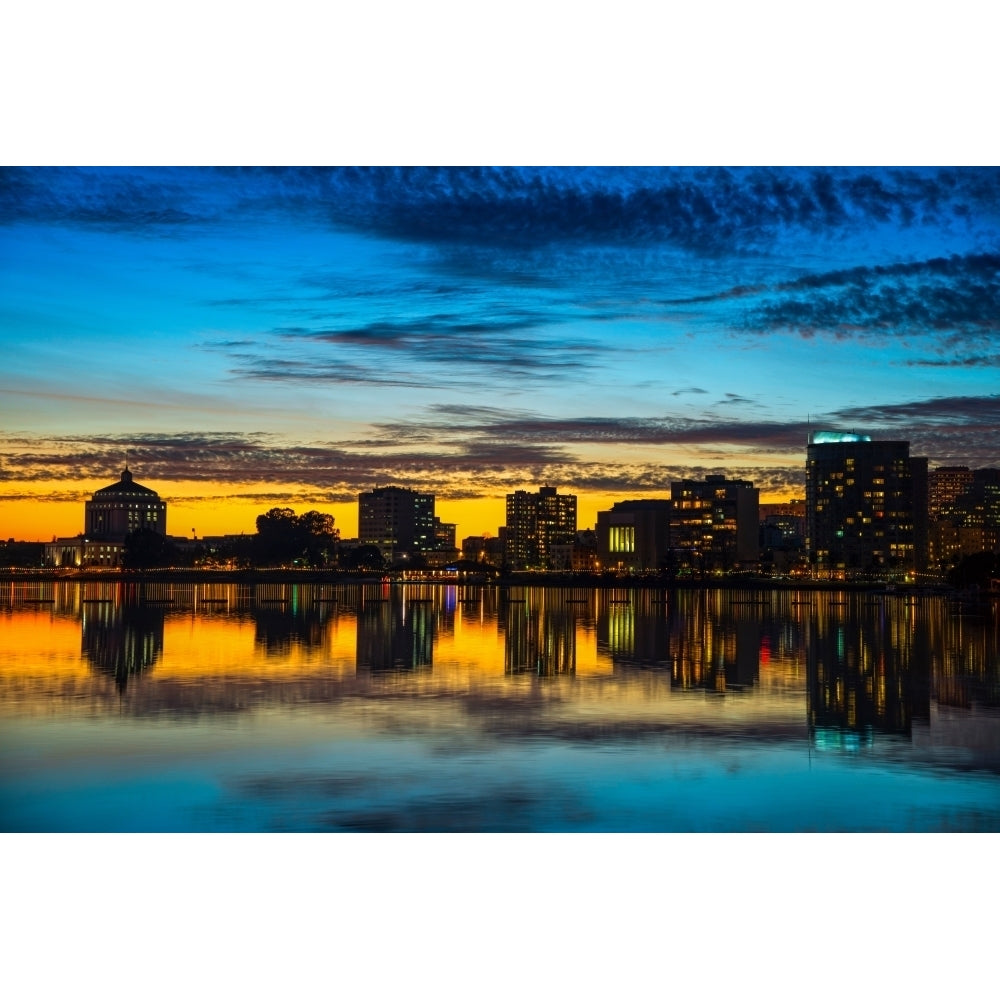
268, 336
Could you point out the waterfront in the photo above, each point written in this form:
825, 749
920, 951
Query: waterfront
280, 707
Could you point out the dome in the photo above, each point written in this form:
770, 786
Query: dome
126, 485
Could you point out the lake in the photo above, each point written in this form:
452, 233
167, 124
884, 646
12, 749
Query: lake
290, 707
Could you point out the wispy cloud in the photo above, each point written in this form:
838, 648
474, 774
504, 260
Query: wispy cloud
954, 295
947, 429
445, 348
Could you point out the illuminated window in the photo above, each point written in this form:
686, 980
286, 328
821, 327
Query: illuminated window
622, 538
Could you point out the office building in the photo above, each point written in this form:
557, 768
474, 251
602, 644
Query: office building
944, 486
714, 525
535, 522
964, 514
866, 507
399, 521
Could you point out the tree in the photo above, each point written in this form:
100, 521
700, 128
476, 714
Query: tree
145, 549
285, 538
320, 537
976, 570
363, 557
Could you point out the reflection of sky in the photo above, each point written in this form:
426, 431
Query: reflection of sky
306, 770
304, 334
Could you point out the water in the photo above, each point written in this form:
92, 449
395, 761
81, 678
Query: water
217, 707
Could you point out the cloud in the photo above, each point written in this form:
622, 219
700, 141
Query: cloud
469, 451
961, 410
705, 211
475, 423
453, 461
953, 295
967, 361
104, 198
948, 429
444, 349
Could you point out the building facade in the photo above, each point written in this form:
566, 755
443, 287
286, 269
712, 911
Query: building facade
399, 521
866, 507
964, 512
714, 525
536, 522
110, 516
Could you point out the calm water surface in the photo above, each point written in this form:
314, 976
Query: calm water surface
217, 707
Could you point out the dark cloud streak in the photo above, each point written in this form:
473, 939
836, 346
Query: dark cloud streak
700, 210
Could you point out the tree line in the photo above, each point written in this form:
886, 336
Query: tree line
283, 538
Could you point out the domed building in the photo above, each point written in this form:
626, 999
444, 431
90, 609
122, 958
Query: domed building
112, 513
123, 507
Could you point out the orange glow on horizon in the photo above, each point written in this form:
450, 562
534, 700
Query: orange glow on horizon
217, 509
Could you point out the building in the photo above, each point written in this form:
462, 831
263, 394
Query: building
714, 525
112, 513
964, 511
399, 521
535, 522
782, 537
578, 556
444, 535
483, 548
944, 486
866, 507
634, 536
123, 507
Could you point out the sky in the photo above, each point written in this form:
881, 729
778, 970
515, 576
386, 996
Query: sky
253, 338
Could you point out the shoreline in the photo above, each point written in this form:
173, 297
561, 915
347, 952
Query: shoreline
545, 580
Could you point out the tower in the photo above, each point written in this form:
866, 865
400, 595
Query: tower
866, 506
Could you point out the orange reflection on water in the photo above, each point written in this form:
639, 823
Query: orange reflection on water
583, 658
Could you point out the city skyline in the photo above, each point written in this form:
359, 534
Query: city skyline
259, 338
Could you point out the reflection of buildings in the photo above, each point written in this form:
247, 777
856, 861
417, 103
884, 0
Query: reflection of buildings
539, 635
112, 513
629, 635
713, 648
868, 671
395, 635
866, 505
281, 623
536, 522
702, 644
122, 640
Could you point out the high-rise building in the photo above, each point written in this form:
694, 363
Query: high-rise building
944, 486
536, 521
444, 535
866, 506
969, 521
399, 521
715, 524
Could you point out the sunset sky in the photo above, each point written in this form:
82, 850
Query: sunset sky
260, 338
